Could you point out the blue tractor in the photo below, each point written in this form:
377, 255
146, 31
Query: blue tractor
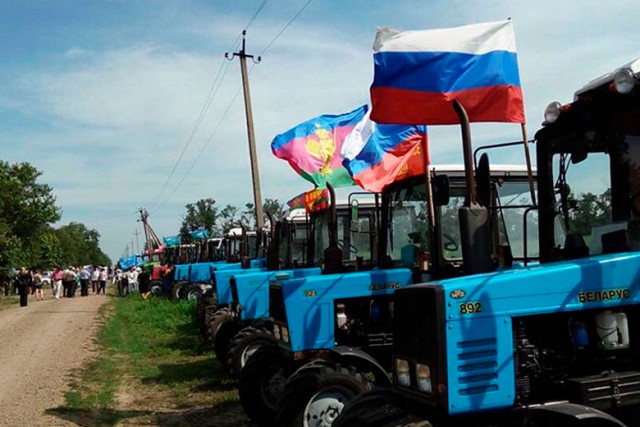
243, 323
334, 331
550, 344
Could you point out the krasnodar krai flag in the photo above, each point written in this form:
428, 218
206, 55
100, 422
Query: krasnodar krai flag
377, 155
418, 74
313, 148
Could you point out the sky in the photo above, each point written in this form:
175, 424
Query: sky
104, 97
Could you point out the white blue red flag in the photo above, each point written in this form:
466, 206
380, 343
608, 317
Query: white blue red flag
377, 155
418, 74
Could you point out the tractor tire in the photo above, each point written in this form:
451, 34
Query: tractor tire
371, 409
262, 382
316, 393
193, 293
243, 345
176, 290
222, 328
156, 288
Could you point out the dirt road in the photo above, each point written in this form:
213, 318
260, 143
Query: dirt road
40, 346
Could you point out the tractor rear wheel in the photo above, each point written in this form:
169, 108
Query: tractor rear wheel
244, 344
222, 328
262, 382
317, 393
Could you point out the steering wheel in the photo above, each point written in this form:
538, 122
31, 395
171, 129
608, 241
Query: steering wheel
352, 249
449, 243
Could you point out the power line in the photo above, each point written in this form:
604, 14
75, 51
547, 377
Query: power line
211, 136
285, 27
207, 103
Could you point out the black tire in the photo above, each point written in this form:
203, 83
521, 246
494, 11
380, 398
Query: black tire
316, 393
371, 409
261, 383
176, 290
193, 293
156, 288
245, 343
222, 328
202, 319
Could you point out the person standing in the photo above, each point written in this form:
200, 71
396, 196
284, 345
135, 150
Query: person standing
57, 282
102, 280
38, 285
84, 282
95, 273
24, 281
132, 275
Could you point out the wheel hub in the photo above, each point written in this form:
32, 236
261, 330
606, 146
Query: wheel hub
274, 386
323, 409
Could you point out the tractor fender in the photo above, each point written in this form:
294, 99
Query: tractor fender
564, 411
361, 360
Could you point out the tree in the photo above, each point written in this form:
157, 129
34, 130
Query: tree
200, 215
79, 245
590, 211
27, 207
273, 207
227, 219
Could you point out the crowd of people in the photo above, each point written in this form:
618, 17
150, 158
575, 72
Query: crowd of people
65, 282
85, 280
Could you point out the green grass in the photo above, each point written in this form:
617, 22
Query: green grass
151, 363
9, 301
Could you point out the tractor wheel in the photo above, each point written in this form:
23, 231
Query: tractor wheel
375, 408
193, 293
262, 382
156, 288
222, 328
176, 290
316, 394
209, 311
243, 345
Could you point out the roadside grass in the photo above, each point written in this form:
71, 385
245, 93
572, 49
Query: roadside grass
8, 301
151, 366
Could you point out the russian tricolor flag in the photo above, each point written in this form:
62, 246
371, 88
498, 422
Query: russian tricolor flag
377, 155
418, 74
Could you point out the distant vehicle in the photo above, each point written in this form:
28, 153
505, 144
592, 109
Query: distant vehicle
46, 277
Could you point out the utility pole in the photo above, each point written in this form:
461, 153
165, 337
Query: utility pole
257, 196
137, 241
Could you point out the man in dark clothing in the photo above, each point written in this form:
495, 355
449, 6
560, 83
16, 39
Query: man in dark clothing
24, 281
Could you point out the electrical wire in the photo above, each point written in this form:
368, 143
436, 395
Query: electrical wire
226, 112
217, 82
285, 27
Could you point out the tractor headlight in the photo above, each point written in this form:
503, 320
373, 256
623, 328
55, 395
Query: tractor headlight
285, 335
402, 372
423, 378
552, 112
624, 81
276, 331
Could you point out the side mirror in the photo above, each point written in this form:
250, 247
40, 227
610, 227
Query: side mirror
440, 185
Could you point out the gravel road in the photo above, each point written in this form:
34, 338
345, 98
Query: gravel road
40, 346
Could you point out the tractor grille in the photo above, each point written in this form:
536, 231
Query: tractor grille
477, 366
415, 323
277, 308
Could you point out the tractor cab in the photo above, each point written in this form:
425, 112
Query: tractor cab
589, 169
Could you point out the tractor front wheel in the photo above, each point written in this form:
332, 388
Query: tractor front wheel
262, 382
317, 393
222, 328
244, 344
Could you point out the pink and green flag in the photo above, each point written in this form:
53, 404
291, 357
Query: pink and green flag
313, 148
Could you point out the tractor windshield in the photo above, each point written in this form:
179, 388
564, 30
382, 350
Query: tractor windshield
408, 226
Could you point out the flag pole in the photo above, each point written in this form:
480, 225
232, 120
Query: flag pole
527, 156
430, 207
